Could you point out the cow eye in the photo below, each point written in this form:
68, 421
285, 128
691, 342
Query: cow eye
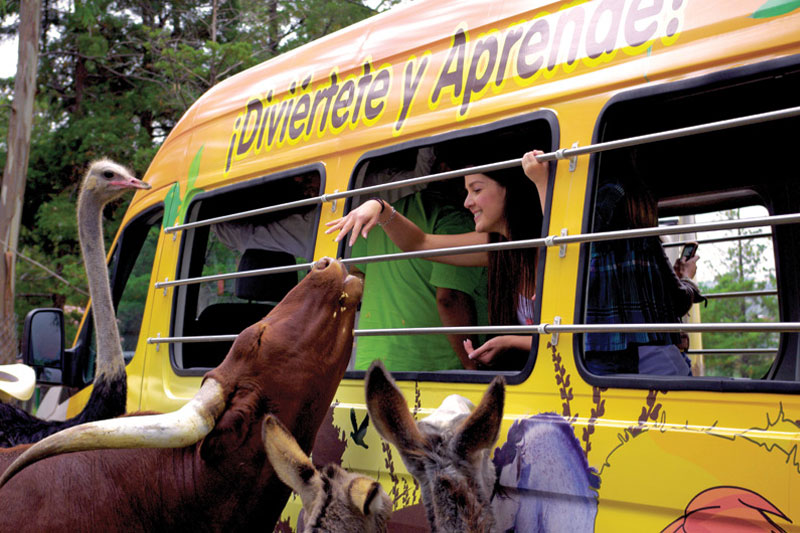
108, 174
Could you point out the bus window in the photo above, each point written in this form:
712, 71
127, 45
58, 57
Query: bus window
739, 272
273, 239
407, 293
736, 273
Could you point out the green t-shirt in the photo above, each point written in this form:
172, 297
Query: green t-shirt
402, 294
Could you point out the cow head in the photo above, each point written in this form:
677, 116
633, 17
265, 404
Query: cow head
289, 363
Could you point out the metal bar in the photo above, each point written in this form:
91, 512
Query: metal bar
199, 338
563, 153
234, 275
741, 294
743, 351
541, 329
545, 328
719, 239
676, 133
553, 240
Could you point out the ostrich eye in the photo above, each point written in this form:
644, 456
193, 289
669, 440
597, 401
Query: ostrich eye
108, 174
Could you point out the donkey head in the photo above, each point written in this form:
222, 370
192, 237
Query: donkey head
447, 453
335, 500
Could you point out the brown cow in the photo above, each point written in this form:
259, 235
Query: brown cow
215, 475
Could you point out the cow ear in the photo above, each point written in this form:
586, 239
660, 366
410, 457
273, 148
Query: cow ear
229, 432
290, 463
389, 411
481, 429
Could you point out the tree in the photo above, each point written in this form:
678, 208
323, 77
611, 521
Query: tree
114, 77
14, 173
743, 269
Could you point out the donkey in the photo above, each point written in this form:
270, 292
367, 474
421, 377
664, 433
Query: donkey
447, 452
334, 500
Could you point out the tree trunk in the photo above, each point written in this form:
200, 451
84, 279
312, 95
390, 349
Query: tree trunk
13, 183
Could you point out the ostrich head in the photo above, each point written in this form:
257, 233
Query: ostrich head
108, 180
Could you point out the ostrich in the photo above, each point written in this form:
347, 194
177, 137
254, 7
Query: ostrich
104, 181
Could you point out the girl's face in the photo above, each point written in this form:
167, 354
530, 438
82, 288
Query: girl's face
486, 199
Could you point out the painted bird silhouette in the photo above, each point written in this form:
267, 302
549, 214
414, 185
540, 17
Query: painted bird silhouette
359, 430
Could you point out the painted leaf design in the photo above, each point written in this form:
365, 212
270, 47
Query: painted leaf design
194, 171
775, 8
185, 203
171, 203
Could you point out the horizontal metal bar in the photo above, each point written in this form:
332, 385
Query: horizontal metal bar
679, 132
719, 351
553, 240
347, 194
719, 239
545, 328
741, 294
541, 329
234, 275
563, 153
199, 338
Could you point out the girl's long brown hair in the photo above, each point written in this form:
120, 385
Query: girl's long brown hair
513, 272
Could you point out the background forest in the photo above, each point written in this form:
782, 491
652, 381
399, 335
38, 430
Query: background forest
113, 79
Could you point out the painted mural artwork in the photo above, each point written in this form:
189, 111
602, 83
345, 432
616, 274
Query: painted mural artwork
545, 482
731, 509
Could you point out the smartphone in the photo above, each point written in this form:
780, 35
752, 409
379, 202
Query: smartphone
689, 249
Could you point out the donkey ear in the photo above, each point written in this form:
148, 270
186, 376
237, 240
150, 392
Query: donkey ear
481, 429
287, 458
367, 496
389, 411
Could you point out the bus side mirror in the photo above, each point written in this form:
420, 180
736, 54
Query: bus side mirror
43, 344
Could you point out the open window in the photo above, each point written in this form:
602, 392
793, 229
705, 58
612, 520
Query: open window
408, 293
748, 275
279, 238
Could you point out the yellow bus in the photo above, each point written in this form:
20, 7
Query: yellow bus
705, 93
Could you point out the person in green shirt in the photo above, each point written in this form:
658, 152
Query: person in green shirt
419, 293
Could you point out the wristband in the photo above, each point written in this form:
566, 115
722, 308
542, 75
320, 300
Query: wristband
380, 201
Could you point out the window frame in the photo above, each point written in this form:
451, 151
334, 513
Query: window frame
463, 375
787, 286
184, 263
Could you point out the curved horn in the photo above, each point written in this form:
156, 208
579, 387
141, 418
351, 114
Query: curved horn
180, 428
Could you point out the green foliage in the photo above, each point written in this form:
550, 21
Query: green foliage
114, 77
742, 270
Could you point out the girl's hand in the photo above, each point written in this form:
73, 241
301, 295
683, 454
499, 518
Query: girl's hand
536, 171
486, 353
686, 268
361, 219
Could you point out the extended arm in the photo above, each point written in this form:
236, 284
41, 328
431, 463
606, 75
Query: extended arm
537, 172
405, 234
490, 350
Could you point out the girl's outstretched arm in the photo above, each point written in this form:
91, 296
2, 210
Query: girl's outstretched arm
405, 234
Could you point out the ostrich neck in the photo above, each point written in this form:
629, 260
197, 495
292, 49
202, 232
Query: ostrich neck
90, 233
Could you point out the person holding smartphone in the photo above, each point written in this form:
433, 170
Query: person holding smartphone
631, 281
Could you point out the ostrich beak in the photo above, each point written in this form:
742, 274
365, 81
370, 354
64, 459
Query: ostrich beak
129, 182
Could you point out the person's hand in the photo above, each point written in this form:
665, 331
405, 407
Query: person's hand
686, 268
490, 349
361, 219
536, 171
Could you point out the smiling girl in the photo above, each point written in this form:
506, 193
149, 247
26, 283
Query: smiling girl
504, 207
